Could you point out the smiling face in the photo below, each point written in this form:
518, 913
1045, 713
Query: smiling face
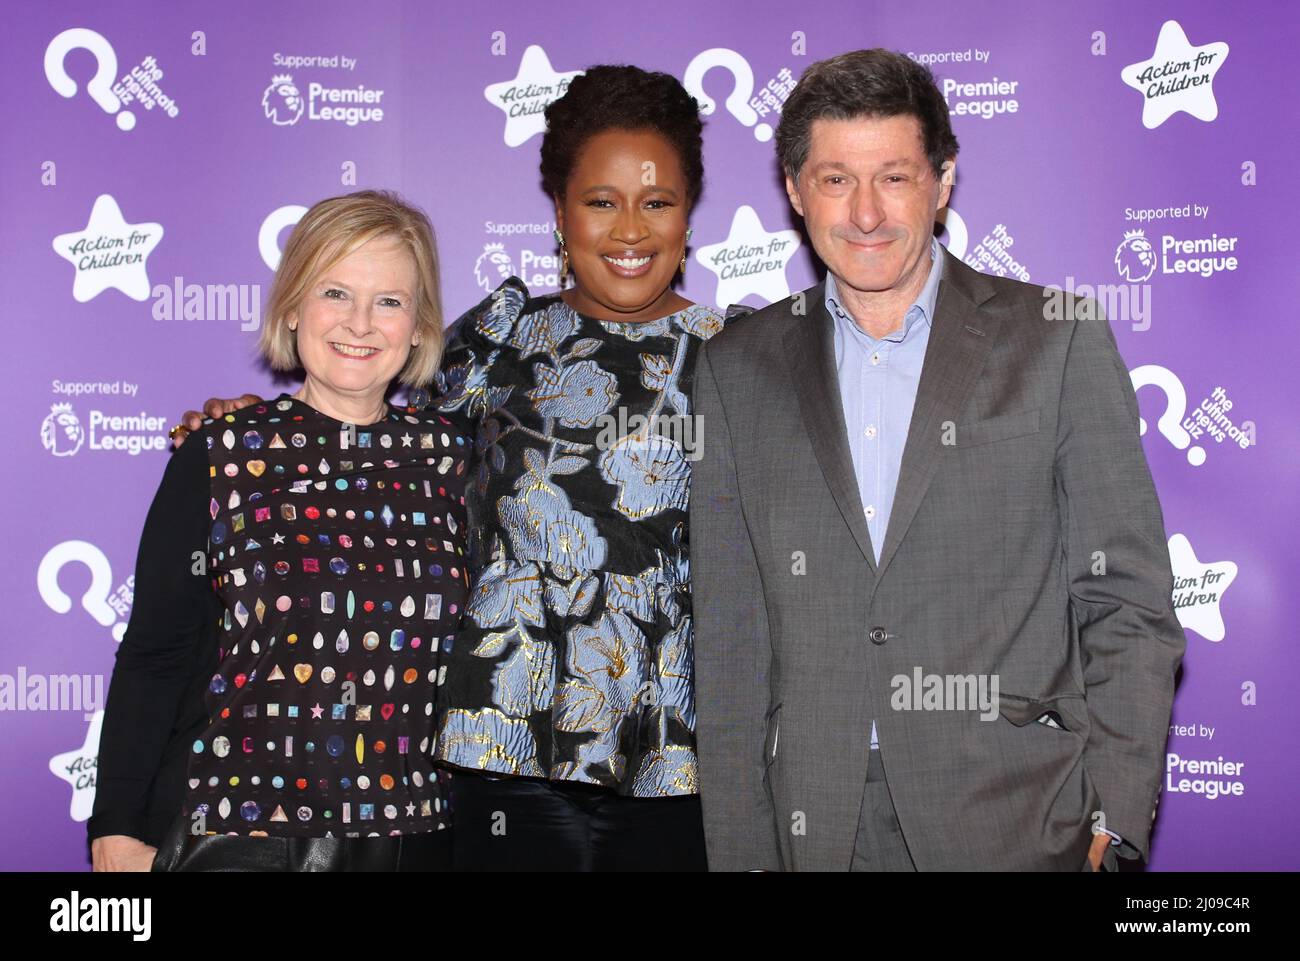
356, 323
623, 217
869, 196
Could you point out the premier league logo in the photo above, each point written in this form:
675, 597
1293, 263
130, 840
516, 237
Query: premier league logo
1135, 258
493, 266
61, 432
281, 101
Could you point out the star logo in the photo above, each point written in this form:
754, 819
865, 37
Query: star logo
77, 767
1198, 589
109, 253
1177, 77
750, 260
524, 98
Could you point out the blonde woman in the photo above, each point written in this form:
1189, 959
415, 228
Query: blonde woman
322, 532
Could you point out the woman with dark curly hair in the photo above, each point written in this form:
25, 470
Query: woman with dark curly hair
569, 687
568, 707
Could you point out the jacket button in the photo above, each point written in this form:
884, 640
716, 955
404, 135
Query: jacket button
878, 635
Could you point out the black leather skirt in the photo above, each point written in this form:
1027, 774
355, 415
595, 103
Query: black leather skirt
182, 851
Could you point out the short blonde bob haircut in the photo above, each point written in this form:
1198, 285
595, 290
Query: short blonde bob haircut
330, 231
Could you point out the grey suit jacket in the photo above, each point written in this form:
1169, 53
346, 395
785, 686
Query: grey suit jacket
1025, 542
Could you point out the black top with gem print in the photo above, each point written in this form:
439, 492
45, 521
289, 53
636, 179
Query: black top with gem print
337, 553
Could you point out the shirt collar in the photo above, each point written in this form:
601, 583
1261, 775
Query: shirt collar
921, 309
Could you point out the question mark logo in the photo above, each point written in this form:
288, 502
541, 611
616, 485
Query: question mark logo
268, 235
1171, 422
95, 600
738, 103
100, 87
955, 228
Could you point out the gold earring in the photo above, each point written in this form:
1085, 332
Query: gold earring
683, 263
564, 266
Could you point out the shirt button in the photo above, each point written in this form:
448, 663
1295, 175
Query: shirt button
878, 635
875, 359
871, 431
870, 512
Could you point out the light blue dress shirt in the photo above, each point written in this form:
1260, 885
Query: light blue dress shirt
878, 381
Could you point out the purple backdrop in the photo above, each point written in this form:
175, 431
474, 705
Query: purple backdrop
154, 156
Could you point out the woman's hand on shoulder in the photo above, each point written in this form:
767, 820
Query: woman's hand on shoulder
119, 852
216, 407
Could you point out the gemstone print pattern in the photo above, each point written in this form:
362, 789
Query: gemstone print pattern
337, 551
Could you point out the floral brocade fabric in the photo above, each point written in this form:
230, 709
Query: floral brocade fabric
574, 658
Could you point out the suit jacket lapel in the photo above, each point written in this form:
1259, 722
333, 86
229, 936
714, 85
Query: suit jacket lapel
811, 350
961, 336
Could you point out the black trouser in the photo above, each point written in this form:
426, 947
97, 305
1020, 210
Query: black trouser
181, 851
521, 824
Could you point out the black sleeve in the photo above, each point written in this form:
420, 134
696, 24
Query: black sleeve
155, 695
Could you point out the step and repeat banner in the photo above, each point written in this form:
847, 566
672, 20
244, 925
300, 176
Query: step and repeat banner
155, 157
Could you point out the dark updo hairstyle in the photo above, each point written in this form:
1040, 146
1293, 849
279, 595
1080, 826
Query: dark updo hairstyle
609, 97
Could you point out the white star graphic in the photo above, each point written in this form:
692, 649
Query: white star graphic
277, 538
524, 98
1198, 589
109, 253
78, 769
406, 440
1177, 77
750, 260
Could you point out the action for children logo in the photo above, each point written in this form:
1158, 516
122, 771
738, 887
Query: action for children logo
1177, 77
525, 98
1137, 259
113, 94
78, 768
750, 260
1199, 588
109, 252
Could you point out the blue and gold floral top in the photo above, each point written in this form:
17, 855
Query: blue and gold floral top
574, 659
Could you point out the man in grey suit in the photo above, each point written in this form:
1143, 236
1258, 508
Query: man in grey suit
934, 627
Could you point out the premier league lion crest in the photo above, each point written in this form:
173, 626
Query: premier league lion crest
61, 432
1135, 258
493, 266
281, 101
